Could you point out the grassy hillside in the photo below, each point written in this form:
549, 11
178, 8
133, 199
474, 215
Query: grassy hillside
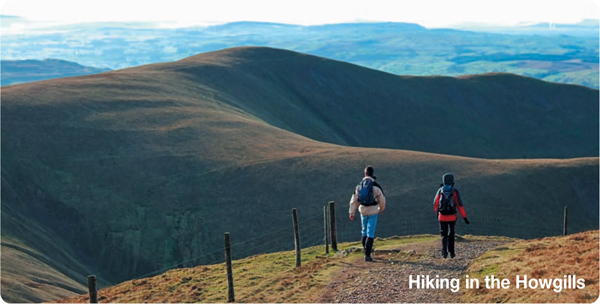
265, 278
547, 258
334, 102
37, 263
21, 71
136, 170
31, 277
269, 278
272, 278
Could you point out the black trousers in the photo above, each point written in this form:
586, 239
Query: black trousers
447, 231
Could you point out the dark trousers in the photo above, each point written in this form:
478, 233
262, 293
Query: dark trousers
447, 231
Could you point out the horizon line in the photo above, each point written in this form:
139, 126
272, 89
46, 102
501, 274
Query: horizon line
208, 23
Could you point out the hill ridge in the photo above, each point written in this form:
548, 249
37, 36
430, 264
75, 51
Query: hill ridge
323, 98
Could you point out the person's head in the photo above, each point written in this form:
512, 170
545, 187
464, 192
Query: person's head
448, 179
370, 172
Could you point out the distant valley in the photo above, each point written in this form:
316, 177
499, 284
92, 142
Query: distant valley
22, 71
561, 53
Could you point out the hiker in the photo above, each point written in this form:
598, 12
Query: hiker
446, 202
368, 198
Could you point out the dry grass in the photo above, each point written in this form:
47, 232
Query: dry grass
265, 278
546, 258
272, 278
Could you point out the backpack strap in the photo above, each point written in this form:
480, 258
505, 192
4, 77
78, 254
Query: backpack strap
378, 186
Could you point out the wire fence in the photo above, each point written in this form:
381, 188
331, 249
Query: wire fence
504, 222
311, 232
497, 221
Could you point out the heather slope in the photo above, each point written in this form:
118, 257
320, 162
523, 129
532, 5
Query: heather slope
135, 170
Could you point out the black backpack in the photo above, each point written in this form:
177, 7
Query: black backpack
447, 206
366, 197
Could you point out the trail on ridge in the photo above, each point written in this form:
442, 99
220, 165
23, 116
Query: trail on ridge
386, 279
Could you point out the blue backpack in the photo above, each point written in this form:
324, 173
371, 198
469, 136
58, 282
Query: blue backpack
366, 197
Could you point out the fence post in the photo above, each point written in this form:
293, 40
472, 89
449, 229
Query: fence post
230, 292
565, 221
91, 279
326, 229
333, 228
296, 237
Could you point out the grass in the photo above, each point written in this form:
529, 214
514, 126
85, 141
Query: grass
264, 278
24, 266
272, 278
394, 241
546, 258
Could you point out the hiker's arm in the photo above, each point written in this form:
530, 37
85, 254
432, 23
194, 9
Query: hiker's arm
459, 204
436, 200
353, 203
380, 200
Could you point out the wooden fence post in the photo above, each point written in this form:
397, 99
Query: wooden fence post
333, 228
565, 221
230, 292
91, 279
296, 237
326, 222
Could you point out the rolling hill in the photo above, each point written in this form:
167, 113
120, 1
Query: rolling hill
586, 27
126, 172
21, 71
480, 116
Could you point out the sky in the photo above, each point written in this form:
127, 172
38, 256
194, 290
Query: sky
429, 13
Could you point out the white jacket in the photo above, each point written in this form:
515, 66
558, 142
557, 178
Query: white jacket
368, 210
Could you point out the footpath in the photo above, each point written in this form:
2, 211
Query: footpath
386, 280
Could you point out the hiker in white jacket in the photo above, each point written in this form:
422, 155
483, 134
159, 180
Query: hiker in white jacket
369, 199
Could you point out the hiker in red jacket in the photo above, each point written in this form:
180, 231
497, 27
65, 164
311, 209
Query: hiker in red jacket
446, 202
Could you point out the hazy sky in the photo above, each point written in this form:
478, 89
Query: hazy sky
425, 12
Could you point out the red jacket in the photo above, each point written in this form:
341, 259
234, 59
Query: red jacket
457, 203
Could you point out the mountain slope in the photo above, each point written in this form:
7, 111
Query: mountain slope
330, 101
21, 71
143, 168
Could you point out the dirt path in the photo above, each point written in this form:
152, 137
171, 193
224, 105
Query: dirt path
386, 279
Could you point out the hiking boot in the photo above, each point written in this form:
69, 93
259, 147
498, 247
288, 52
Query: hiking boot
444, 255
452, 255
368, 249
364, 242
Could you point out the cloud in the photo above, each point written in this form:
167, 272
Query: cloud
169, 50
